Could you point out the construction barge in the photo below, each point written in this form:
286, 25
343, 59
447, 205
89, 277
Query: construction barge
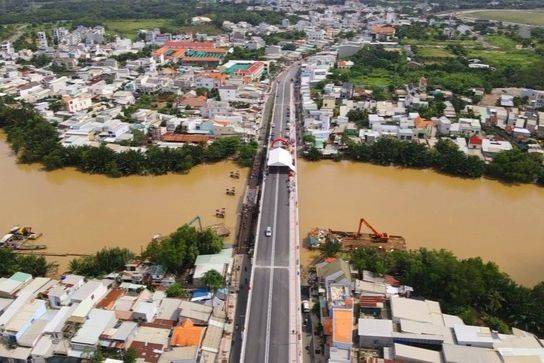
352, 240
19, 239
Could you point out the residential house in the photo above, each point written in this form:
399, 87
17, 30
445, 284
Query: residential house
23, 319
220, 262
150, 342
187, 334
490, 148
84, 343
198, 313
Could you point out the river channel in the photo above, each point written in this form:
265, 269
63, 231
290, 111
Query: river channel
81, 213
500, 223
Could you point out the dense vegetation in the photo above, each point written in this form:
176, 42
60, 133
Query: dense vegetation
375, 66
444, 157
105, 261
35, 140
11, 262
175, 253
512, 166
95, 12
479, 292
179, 250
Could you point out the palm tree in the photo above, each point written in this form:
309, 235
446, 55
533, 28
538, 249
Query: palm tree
495, 301
331, 247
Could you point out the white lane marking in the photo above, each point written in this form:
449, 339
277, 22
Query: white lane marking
269, 312
278, 267
255, 253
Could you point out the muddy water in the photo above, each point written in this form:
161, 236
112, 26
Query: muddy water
504, 224
82, 213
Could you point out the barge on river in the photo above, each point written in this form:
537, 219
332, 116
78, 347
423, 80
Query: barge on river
18, 239
353, 240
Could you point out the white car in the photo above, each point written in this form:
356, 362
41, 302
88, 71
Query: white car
268, 231
305, 306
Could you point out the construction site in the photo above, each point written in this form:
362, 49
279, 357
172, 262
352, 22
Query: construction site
358, 239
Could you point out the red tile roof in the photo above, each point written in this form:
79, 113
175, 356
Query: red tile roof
150, 352
383, 29
475, 140
171, 137
109, 300
188, 45
195, 102
391, 280
370, 301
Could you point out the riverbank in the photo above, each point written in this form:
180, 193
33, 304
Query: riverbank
471, 217
34, 140
83, 213
511, 166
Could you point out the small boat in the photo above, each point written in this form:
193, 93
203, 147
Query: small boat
24, 232
18, 236
7, 239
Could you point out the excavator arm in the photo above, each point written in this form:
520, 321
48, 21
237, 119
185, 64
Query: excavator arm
376, 234
197, 218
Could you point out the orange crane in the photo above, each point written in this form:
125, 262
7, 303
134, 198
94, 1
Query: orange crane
382, 236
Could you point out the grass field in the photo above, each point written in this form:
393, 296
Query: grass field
432, 52
504, 58
129, 28
464, 43
377, 78
501, 41
531, 17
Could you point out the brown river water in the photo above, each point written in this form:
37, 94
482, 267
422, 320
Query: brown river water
81, 213
500, 223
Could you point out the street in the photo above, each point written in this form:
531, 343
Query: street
267, 335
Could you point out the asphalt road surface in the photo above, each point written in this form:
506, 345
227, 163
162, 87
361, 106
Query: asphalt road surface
267, 335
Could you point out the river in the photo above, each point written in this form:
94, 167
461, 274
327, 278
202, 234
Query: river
81, 213
500, 223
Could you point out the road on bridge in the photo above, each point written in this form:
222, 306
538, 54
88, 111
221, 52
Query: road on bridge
267, 332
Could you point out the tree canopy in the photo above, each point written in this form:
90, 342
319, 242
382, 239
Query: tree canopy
105, 261
469, 287
35, 140
11, 262
213, 279
179, 250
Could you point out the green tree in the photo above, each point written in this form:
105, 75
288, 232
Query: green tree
105, 261
213, 280
176, 290
130, 355
495, 301
313, 154
359, 116
331, 247
309, 139
179, 250
515, 166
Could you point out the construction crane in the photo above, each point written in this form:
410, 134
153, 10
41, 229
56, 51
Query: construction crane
383, 237
197, 218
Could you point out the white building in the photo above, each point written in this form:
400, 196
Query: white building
42, 40
79, 103
490, 148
